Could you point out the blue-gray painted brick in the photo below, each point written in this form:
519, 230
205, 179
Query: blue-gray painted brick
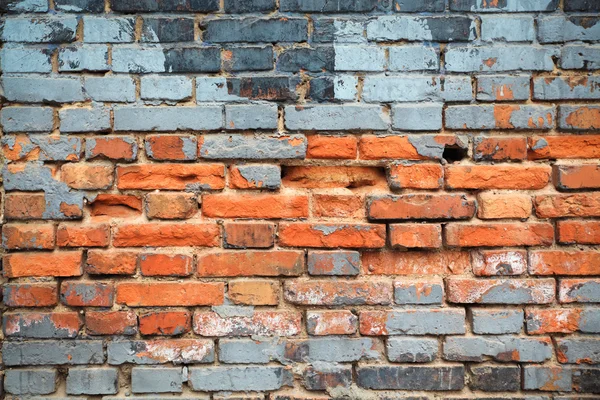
558, 29
25, 59
326, 6
419, 6
269, 176
482, 117
336, 117
499, 348
154, 58
412, 28
538, 377
417, 117
146, 352
248, 6
505, 5
411, 378
573, 351
239, 378
170, 88
42, 328
416, 88
39, 29
93, 57
497, 322
254, 30
92, 381
156, 380
248, 351
19, 6
338, 30
214, 89
94, 119
507, 28
42, 88
359, 58
251, 116
582, 292
503, 87
50, 352
500, 58
30, 381
88, 6
138, 118
407, 292
426, 322
167, 30
110, 88
50, 148
252, 58
580, 57
333, 88
34, 176
414, 350
566, 88
176, 6
414, 58
333, 262
589, 322
108, 30
26, 119
253, 147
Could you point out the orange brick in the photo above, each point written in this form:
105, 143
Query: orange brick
567, 205
499, 262
333, 177
560, 262
171, 176
331, 147
320, 323
427, 236
28, 237
254, 292
540, 322
87, 294
583, 118
241, 235
110, 322
163, 294
499, 234
580, 232
331, 235
83, 236
563, 147
500, 149
497, 176
576, 177
165, 323
111, 262
26, 206
342, 205
30, 295
166, 264
87, 176
416, 176
503, 205
261, 323
251, 263
500, 291
415, 262
371, 147
171, 147
254, 206
111, 148
420, 206
171, 205
163, 234
66, 263
116, 205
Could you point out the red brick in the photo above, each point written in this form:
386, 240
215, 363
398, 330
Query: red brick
110, 322
241, 235
560, 262
499, 234
314, 177
580, 232
251, 263
415, 262
28, 237
426, 236
500, 291
83, 236
166, 264
540, 322
171, 205
420, 206
30, 295
499, 262
111, 262
116, 205
337, 293
331, 147
170, 147
261, 323
87, 176
579, 290
416, 176
338, 322
500, 149
254, 206
165, 323
66, 263
576, 177
342, 205
26, 206
563, 147
371, 147
526, 177
112, 148
254, 292
503, 205
331, 235
171, 176
583, 119
87, 294
162, 294
56, 324
567, 205
163, 234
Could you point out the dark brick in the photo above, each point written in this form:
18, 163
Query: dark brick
411, 378
193, 59
88, 6
316, 59
419, 5
268, 30
495, 379
327, 377
582, 5
168, 30
323, 30
248, 58
321, 89
586, 380
262, 88
328, 6
249, 6
164, 5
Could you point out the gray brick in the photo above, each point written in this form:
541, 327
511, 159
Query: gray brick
92, 381
313, 59
336, 117
253, 116
503, 87
338, 30
95, 119
108, 30
30, 381
581, 5
411, 378
497, 322
516, 117
580, 57
25, 59
507, 6
49, 352
39, 29
83, 58
495, 379
418, 292
416, 88
214, 89
263, 176
176, 6
110, 88
163, 30
558, 29
333, 88
335, 350
507, 28
155, 58
335, 263
539, 377
138, 118
156, 380
249, 6
257, 147
49, 148
417, 117
26, 119
566, 88
19, 6
436, 29
269, 30
185, 351
420, 322
327, 6
170, 88
239, 378
359, 58
324, 376
414, 58
499, 348
39, 88
418, 6
252, 58
414, 350
88, 6
248, 351
499, 58
34, 325
580, 350
587, 291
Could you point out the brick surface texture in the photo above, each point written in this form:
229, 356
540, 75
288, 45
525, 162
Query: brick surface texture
300, 199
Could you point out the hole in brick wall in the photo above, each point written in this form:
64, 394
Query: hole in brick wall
454, 153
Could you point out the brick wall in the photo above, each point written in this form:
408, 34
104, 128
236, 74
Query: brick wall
301, 199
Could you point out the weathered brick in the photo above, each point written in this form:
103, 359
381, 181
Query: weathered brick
239, 378
333, 88
251, 263
254, 292
332, 235
414, 58
495, 379
43, 148
165, 323
500, 291
327, 376
111, 262
87, 176
315, 59
111, 322
171, 176
199, 6
171, 205
66, 263
39, 29
499, 58
488, 117
167, 30
32, 88
165, 88
429, 28
176, 351
507, 28
547, 378
557, 29
81, 294
496, 322
255, 176
420, 206
152, 264
582, 232
259, 206
24, 6
501, 206
167, 118
579, 350
579, 57
156, 58
338, 29
24, 59
503, 87
411, 378
579, 118
415, 176
259, 147
578, 291
321, 323
413, 322
415, 262
499, 262
143, 294
499, 149
30, 381
111, 148
566, 88
248, 235
413, 350
333, 262
171, 147
544, 321
327, 7
498, 348
30, 295
27, 237
562, 262
413, 147
259, 323
92, 57
256, 30
416, 88
419, 292
320, 292
93, 381
557, 147
61, 325
53, 352
156, 380
90, 6
336, 117
255, 116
